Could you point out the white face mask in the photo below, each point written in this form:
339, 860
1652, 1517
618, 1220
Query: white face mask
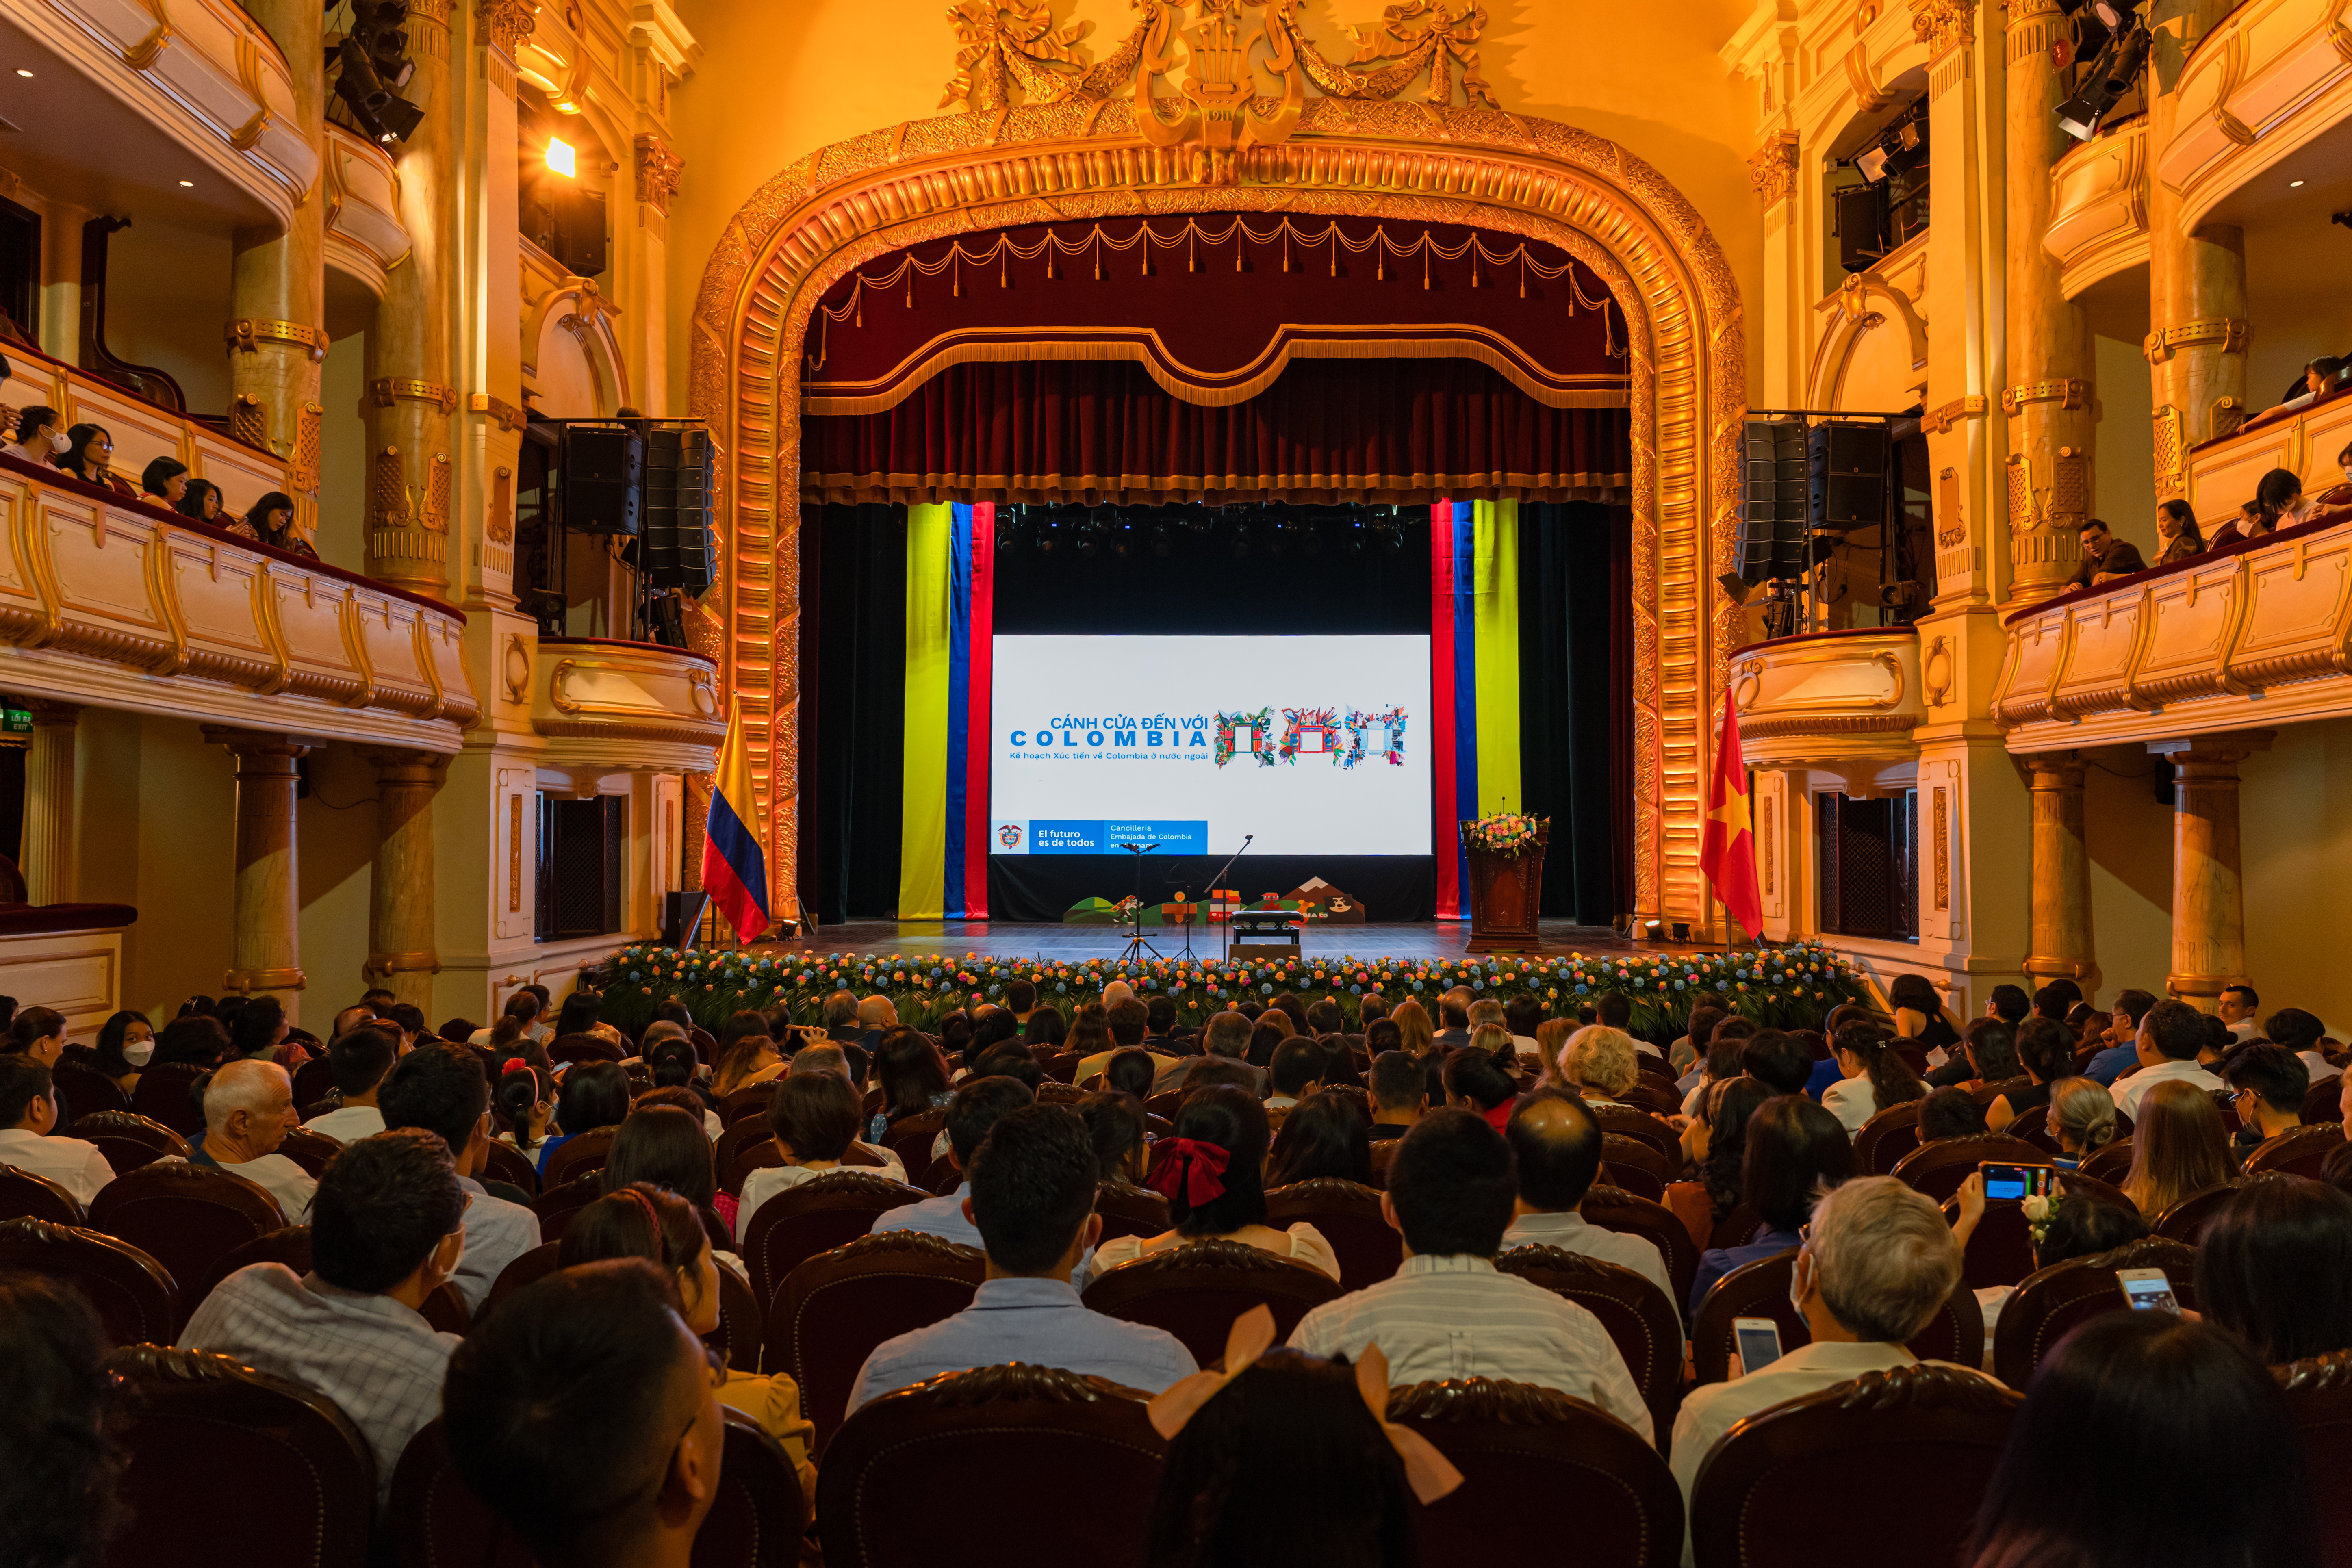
139, 1055
60, 441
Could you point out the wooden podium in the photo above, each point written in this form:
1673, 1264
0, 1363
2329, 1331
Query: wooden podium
1506, 892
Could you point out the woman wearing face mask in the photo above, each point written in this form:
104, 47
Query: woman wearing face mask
41, 438
126, 1043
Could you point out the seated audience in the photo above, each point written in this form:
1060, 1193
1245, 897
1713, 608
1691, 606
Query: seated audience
1212, 1172
1266, 1035
913, 1076
2267, 1085
1398, 1089
37, 1033
1449, 1312
975, 1108
1556, 1147
647, 1220
271, 521
665, 1146
585, 1412
126, 1043
200, 501
249, 1109
2301, 1032
1131, 1028
1725, 1043
525, 1101
2082, 1118
1876, 1267
441, 1088
591, 1095
2238, 1005
2172, 1035
522, 1007
1920, 1015
583, 1014
1122, 1142
1714, 1147
1414, 1031
40, 436
2274, 1267
1523, 1016
60, 1466
89, 458
2334, 496
386, 1230
813, 1119
2104, 557
2121, 1053
165, 480
2280, 495
2179, 1148
2250, 523
752, 1059
1130, 1071
1474, 1083
2047, 1055
1599, 1060
1495, 1040
2149, 1438
1708, 1008
1323, 1136
196, 1038
28, 1140
1872, 1076
2176, 524
2087, 1222
1296, 1069
2010, 1003
1795, 1149
1949, 1113
1032, 1198
360, 1061
1987, 1054
1043, 1031
1226, 1034
1777, 1059
259, 1032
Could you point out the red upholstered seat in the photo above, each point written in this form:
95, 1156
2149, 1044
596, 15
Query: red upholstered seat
835, 1309
911, 1139
558, 1201
1643, 1128
85, 1089
1760, 1289
203, 1431
744, 1147
755, 1521
1348, 1215
963, 1434
2111, 1163
2323, 1101
1912, 1451
311, 1151
1886, 1137
1737, 1228
749, 1103
1984, 1094
184, 1217
313, 1080
2319, 1392
1938, 1167
165, 1094
528, 1268
1645, 1326
1637, 1165
1614, 1208
1195, 1291
2033, 1126
1051, 1093
133, 1294
2053, 1301
2000, 1251
28, 1194
2185, 1221
128, 1140
818, 1216
1650, 1092
577, 1157
1532, 1459
1130, 1211
2298, 1151
583, 1048
511, 1165
288, 1245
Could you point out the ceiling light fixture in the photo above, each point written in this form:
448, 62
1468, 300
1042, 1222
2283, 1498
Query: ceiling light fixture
187, 184
21, 71
2294, 185
559, 158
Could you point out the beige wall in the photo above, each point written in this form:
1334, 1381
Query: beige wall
776, 82
342, 455
167, 293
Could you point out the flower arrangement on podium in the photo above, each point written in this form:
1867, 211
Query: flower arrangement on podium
1504, 833
1790, 987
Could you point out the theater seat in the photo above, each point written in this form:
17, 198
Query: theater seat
2319, 1392
835, 1309
1641, 1128
749, 1103
2298, 1151
1912, 1451
1130, 1211
1939, 1167
85, 1089
202, 1433
1614, 1208
1638, 1167
1645, 1326
2185, 1221
311, 1151
128, 1140
818, 1216
1886, 1137
509, 1164
28, 1195
744, 1147
1533, 1459
1348, 1215
583, 1048
184, 1217
1760, 1289
133, 1294
578, 1157
528, 1268
558, 1201
2111, 1163
1081, 1456
288, 1245
1195, 1291
165, 1094
2323, 1101
2054, 1300
911, 1139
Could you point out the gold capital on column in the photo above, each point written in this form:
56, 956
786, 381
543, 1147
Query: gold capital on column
2209, 916
265, 931
2060, 940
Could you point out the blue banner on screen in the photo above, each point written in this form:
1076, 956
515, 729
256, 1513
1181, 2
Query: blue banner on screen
1317, 745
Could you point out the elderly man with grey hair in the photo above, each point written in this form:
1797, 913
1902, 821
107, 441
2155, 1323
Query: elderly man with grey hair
840, 1016
248, 1107
1877, 1264
1226, 1034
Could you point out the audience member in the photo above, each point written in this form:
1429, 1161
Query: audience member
1523, 1016
1714, 1145
386, 1229
2301, 1032
1226, 1034
1398, 1092
1778, 1060
2082, 1118
1045, 1029
196, 1038
249, 1109
2237, 1006
590, 1095
753, 1059
2170, 1037
200, 501
2179, 1148
126, 1043
2274, 1267
2176, 524
1296, 1069
360, 1061
664, 1146
441, 1088
2047, 1055
1556, 1149
1031, 1199
1212, 1172
40, 436
525, 1102
1987, 1054
165, 480
973, 1112
2147, 1439
1131, 1071
1873, 1076
813, 1119
1920, 1015
2104, 557
1323, 1136
2086, 1222
2121, 1052
1724, 1045
38, 1034
1454, 1019
89, 458
2267, 1085
1495, 1041
1949, 1113
29, 1118
1122, 1146
2010, 1003
585, 1412
1473, 1082
1130, 1025
1795, 1149
59, 1465
1600, 1060
914, 1079
1707, 1009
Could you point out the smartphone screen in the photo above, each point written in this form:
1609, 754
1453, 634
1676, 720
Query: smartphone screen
1759, 1342
2148, 1289
2017, 1181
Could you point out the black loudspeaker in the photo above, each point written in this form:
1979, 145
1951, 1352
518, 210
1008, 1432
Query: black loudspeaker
682, 918
604, 477
678, 547
1772, 505
1847, 479
1861, 227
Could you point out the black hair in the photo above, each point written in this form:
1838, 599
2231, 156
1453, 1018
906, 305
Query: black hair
2176, 1028
21, 1082
195, 1037
2294, 1028
636, 1219
1285, 1464
2184, 516
1613, 1009
1477, 1077
1383, 1035
1451, 1185
1778, 1060
1892, 1080
30, 420
2010, 1004
2044, 1049
2052, 1004
384, 1203
409, 1019
255, 1029
107, 1052
59, 1466
1324, 1135
561, 1404
2134, 1005
1794, 1147
818, 1113
2276, 488
580, 1012
516, 1094
1915, 991
1992, 1046
1297, 1062
1160, 1013
2128, 1396
1032, 1185
1128, 1019
2274, 1267
1725, 1044
74, 458
1019, 996
1265, 1038
912, 1071
1130, 1071
1701, 1027
1556, 1146
1396, 1077
2272, 1071
1232, 1119
592, 1095
663, 1144
33, 1025
440, 1088
159, 474
1012, 1060
1949, 1112
1047, 1028
1523, 1016
673, 1062
2087, 1223
1732, 1105
742, 1026
1324, 1018
1115, 1125
360, 1060
978, 1105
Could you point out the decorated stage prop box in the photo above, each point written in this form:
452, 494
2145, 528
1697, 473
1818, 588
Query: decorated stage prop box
1317, 745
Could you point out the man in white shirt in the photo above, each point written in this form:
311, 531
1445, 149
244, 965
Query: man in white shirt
1448, 1313
249, 1109
1557, 1143
2170, 1036
1877, 1264
1296, 1071
359, 1060
441, 1087
2236, 1006
28, 1109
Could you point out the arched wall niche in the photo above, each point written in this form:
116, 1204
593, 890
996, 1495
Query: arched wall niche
854, 201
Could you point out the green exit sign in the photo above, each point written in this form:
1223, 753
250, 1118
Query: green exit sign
19, 720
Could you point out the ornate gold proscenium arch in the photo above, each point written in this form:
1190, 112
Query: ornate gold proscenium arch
856, 200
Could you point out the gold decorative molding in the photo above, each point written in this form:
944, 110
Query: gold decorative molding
1943, 24
1772, 168
1868, 96
2066, 391
509, 418
507, 24
500, 525
246, 334
386, 391
657, 171
2228, 414
248, 421
2227, 332
1947, 416
1942, 827
2171, 455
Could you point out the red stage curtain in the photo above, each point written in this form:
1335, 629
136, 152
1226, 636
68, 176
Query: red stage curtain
1327, 431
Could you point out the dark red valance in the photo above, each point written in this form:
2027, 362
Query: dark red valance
1327, 431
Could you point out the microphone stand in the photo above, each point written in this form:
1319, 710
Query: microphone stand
1225, 939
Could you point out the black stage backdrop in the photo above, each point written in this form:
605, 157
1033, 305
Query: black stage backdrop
853, 771
1575, 708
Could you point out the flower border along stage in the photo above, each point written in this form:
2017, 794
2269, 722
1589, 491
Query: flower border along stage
1793, 986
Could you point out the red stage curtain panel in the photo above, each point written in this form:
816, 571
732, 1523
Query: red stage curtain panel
1326, 431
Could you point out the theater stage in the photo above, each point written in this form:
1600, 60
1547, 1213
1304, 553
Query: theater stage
1008, 938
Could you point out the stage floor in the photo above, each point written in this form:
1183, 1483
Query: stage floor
1005, 939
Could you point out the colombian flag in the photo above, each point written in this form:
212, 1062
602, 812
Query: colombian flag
1726, 851
734, 868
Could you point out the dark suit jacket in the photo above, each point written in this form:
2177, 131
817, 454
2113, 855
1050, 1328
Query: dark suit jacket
2122, 556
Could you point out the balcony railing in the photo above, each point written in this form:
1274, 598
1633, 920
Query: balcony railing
626, 706
2222, 473
2260, 85
2098, 206
365, 236
2255, 634
1830, 698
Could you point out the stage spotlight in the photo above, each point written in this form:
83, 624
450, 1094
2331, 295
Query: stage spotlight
371, 65
1682, 930
1653, 931
2104, 84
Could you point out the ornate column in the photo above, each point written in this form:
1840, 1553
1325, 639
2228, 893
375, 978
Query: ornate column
2047, 391
264, 933
2208, 917
277, 288
51, 873
2060, 935
401, 954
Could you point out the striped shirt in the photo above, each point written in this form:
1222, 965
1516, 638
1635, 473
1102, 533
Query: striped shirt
1458, 1317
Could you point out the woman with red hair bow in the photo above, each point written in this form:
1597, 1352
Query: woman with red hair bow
1212, 1172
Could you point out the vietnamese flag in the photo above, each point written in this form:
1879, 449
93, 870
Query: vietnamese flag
1727, 849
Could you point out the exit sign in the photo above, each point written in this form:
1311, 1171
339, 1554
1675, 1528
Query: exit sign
19, 720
